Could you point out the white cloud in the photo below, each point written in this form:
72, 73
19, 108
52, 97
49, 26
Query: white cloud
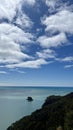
28, 64
3, 72
8, 8
11, 40
57, 26
53, 41
61, 21
15, 33
45, 54
58, 5
21, 72
11, 53
17, 70
68, 66
67, 59
24, 21
30, 2
51, 3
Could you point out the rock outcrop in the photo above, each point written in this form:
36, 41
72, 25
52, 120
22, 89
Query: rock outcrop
29, 99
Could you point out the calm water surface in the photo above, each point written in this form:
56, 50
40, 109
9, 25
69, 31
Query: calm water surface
13, 103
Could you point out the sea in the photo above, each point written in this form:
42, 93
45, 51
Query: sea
14, 106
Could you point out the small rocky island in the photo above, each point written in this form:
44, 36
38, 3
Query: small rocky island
55, 114
29, 99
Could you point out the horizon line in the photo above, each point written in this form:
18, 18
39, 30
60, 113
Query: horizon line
33, 86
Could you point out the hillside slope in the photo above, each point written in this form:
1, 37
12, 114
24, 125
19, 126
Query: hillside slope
55, 114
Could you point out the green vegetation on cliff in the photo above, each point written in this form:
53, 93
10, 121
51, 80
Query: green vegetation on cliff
55, 114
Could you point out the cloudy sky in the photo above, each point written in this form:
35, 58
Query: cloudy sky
36, 42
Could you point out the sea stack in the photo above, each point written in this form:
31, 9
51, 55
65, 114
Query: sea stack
29, 99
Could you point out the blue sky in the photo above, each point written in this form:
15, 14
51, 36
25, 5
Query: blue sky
36, 42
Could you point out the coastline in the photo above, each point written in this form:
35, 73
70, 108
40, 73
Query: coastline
56, 113
14, 105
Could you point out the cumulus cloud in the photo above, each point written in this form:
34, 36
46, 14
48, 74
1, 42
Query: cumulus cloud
11, 40
58, 26
8, 8
58, 5
68, 60
51, 3
28, 64
14, 38
61, 21
65, 59
16, 35
46, 53
23, 21
52, 41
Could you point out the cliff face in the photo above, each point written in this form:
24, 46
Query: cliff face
55, 114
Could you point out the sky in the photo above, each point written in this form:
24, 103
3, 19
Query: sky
36, 43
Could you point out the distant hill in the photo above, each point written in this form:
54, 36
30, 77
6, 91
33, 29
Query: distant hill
55, 114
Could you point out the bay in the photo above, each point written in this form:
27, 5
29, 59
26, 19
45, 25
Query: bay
14, 106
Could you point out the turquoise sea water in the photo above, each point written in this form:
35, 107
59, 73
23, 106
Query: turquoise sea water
13, 103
